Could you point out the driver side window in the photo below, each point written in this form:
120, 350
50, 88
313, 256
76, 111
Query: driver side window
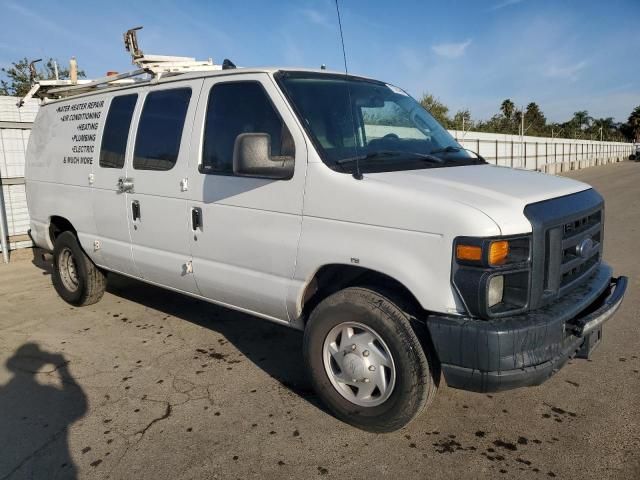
235, 108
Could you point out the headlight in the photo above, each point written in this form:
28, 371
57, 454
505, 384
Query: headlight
492, 275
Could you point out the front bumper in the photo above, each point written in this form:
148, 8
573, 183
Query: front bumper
527, 349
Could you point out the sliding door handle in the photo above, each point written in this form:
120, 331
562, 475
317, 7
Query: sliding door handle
196, 218
135, 210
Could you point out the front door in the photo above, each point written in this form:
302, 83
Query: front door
245, 231
157, 204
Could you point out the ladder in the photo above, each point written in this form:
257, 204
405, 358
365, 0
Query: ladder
153, 66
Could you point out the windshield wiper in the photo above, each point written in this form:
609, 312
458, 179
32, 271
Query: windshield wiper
452, 149
393, 153
447, 149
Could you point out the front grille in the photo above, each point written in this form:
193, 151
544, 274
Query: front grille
575, 262
573, 251
567, 244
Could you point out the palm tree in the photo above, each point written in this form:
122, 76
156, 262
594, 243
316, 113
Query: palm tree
634, 123
507, 108
602, 128
581, 119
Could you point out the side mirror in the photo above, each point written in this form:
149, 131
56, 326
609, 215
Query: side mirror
252, 158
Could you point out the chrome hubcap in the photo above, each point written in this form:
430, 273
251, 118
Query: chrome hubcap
68, 270
359, 364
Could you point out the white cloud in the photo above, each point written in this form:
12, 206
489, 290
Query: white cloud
568, 72
505, 3
451, 50
316, 17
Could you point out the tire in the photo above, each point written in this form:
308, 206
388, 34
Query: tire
75, 277
410, 382
632, 157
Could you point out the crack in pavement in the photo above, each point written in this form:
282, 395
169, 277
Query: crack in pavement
164, 416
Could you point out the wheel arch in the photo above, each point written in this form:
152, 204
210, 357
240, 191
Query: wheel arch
58, 225
333, 277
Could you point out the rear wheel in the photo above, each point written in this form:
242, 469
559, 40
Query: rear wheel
365, 360
75, 277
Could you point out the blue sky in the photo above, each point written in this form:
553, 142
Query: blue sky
566, 55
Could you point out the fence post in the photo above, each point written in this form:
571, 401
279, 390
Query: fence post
546, 155
535, 163
496, 151
512, 153
4, 234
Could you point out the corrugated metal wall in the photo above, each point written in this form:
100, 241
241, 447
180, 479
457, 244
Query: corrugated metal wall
15, 125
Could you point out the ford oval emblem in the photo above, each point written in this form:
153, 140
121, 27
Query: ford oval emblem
584, 247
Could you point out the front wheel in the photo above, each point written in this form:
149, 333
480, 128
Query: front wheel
366, 362
75, 277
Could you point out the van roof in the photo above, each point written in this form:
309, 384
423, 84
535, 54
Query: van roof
174, 77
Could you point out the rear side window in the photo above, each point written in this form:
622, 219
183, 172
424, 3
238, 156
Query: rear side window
160, 129
234, 108
116, 131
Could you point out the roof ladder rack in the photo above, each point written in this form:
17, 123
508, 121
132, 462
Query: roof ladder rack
156, 66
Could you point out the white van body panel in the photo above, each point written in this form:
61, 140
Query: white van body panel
499, 192
357, 222
58, 168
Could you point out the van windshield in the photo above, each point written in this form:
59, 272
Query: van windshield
380, 126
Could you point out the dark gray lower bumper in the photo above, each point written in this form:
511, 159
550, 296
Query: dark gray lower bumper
524, 350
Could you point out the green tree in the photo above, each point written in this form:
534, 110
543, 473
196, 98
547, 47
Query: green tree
436, 108
516, 122
633, 125
604, 128
17, 80
462, 120
508, 108
579, 123
535, 121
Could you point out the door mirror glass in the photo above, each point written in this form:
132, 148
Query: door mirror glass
252, 158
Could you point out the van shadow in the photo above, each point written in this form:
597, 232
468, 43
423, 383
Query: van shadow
276, 349
37, 407
40, 260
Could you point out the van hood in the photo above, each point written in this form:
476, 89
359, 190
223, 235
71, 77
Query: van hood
502, 193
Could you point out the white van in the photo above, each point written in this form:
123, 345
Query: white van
330, 203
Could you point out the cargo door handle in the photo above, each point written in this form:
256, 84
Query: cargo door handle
125, 185
135, 210
196, 218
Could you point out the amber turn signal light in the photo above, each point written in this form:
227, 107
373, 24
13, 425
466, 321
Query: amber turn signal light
469, 253
498, 252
